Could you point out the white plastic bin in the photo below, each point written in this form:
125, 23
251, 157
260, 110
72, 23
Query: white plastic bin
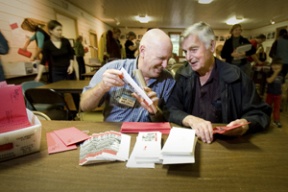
21, 142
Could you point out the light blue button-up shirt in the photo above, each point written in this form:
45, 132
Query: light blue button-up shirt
114, 111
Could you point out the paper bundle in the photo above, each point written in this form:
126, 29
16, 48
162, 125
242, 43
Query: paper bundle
146, 151
179, 146
106, 146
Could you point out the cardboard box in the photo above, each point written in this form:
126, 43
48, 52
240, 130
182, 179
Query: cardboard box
21, 142
18, 68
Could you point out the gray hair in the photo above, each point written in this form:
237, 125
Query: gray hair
204, 32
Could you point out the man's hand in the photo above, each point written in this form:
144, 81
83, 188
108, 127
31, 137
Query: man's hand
203, 128
111, 78
152, 109
242, 129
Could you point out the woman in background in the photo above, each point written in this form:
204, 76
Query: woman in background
113, 45
4, 48
40, 36
231, 55
80, 52
130, 47
58, 53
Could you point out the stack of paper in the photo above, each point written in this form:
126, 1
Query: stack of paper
135, 127
179, 146
13, 115
64, 139
146, 151
106, 146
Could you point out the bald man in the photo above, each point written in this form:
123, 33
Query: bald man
121, 104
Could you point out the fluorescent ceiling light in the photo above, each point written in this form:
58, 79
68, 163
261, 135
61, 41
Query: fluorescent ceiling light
204, 1
143, 19
234, 20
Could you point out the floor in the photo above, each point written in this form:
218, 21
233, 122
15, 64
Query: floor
284, 121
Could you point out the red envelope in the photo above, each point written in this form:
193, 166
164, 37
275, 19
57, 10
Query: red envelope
224, 129
55, 145
71, 135
13, 115
135, 127
24, 53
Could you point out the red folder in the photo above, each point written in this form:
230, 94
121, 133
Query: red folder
135, 127
24, 53
224, 129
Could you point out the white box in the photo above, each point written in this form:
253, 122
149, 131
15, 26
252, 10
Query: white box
21, 142
18, 68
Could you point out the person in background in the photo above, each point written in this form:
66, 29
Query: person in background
121, 104
130, 47
173, 60
40, 36
113, 45
209, 90
274, 89
4, 49
218, 50
279, 49
80, 52
257, 44
58, 53
232, 56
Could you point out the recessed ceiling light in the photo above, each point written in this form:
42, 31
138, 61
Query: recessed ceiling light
204, 1
143, 19
234, 20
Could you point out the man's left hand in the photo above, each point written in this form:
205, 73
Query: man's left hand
152, 109
241, 130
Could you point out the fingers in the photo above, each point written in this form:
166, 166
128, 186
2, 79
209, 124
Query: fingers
152, 109
112, 78
204, 131
242, 129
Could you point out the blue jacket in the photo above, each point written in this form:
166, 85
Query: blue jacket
239, 98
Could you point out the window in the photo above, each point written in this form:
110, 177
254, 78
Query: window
175, 38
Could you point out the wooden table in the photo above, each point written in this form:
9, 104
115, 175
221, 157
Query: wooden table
252, 163
18, 79
88, 75
66, 86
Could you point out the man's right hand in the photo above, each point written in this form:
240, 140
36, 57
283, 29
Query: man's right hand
203, 128
111, 78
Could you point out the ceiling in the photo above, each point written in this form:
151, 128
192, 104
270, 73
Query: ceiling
182, 13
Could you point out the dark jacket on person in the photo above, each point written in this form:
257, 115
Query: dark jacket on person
228, 49
239, 98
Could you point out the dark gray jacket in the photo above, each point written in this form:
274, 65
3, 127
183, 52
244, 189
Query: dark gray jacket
239, 98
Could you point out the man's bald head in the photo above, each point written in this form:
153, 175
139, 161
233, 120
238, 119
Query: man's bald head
156, 37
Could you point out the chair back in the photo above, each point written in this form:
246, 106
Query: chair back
175, 67
57, 110
41, 115
28, 85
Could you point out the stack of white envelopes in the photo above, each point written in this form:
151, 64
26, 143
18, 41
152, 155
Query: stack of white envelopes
179, 146
146, 151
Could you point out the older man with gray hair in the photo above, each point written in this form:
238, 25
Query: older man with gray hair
211, 91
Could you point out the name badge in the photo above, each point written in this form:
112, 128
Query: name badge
127, 100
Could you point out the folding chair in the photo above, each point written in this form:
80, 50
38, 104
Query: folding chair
57, 110
28, 85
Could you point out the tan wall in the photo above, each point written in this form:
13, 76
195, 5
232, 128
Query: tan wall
14, 11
